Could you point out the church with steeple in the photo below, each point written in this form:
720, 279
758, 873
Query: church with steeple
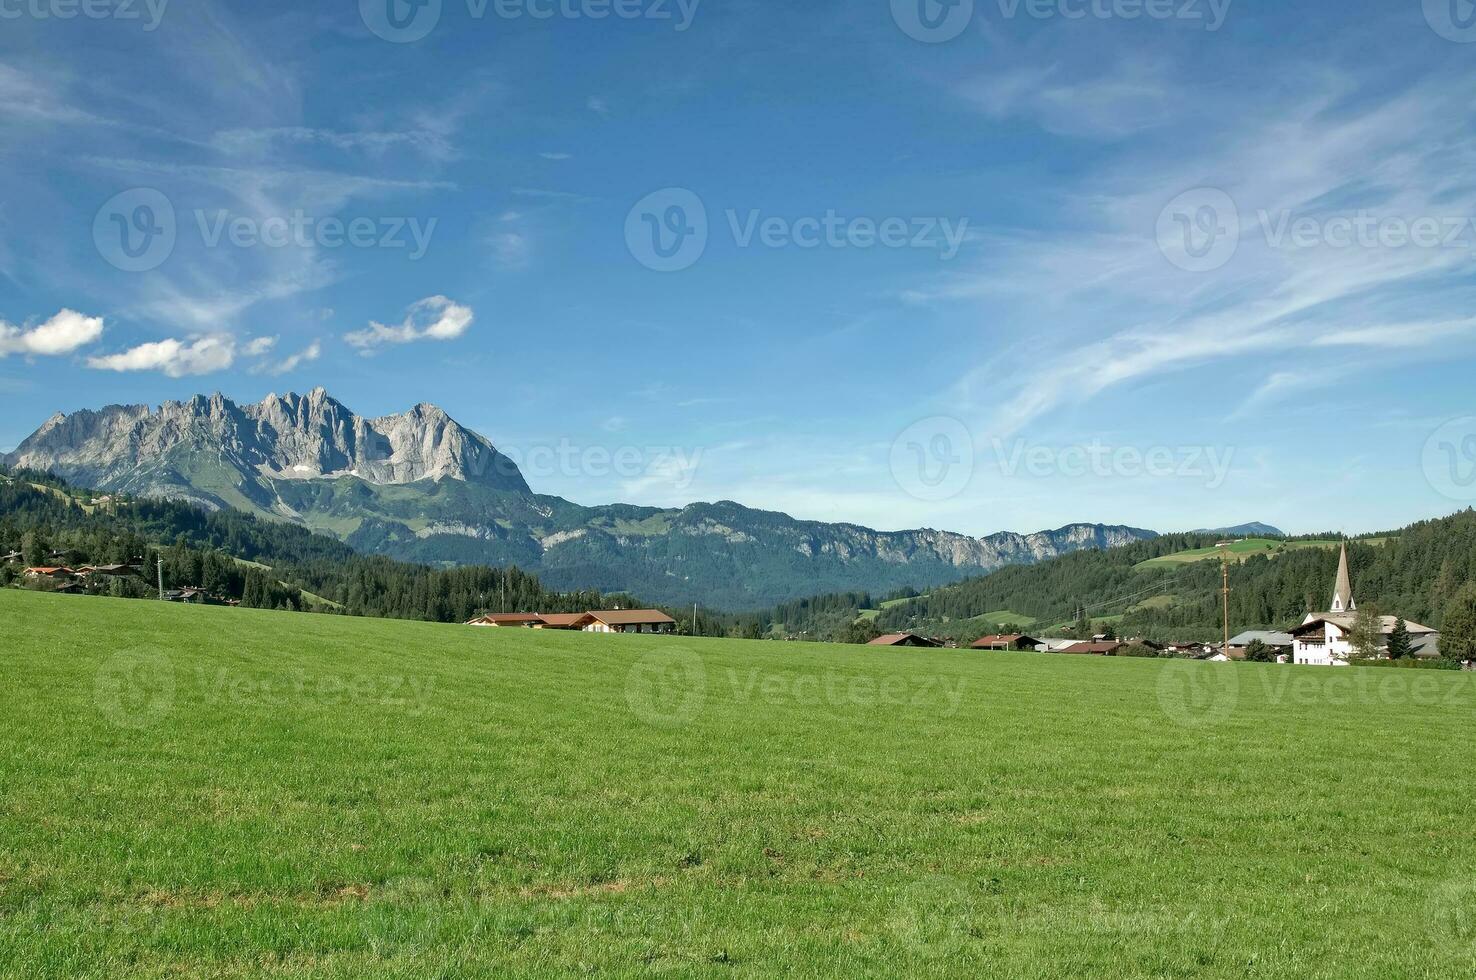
1325, 639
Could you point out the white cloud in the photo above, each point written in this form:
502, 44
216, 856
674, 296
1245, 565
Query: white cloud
258, 346
176, 358
62, 334
292, 362
433, 318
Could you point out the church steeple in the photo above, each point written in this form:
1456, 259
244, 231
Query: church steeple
1343, 589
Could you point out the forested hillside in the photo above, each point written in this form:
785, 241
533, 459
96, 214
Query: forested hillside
266, 564
1413, 573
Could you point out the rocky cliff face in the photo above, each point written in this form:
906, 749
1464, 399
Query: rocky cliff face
284, 437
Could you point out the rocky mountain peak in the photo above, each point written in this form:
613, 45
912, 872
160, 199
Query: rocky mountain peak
282, 437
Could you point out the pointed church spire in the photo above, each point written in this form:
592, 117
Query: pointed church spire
1343, 588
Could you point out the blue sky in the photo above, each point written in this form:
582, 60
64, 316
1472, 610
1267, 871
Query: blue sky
1036, 342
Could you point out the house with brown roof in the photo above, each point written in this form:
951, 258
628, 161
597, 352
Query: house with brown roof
524, 620
625, 621
60, 573
559, 621
903, 640
1005, 641
1107, 648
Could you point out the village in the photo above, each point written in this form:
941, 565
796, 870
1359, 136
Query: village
1323, 639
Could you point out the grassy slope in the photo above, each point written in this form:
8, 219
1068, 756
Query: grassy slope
1243, 550
215, 792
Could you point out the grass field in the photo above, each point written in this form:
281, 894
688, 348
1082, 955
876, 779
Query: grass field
198, 791
1245, 549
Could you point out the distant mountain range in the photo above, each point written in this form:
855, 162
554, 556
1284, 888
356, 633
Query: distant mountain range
421, 487
1253, 530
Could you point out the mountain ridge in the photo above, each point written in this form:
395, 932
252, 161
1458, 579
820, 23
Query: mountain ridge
419, 486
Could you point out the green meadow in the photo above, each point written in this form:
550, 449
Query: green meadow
211, 792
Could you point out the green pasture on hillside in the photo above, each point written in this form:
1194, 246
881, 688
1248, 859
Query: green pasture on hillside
211, 792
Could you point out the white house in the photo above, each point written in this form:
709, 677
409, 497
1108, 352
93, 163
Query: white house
1325, 639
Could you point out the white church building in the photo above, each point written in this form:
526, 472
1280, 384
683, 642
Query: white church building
1325, 639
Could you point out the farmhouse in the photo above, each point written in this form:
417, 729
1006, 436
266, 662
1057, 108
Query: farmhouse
87, 571
1106, 648
1278, 642
58, 573
903, 640
1325, 639
1005, 641
558, 621
525, 620
625, 621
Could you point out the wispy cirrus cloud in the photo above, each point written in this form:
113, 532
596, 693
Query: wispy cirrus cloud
1107, 309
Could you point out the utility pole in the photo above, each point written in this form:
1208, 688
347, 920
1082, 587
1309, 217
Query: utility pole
694, 619
161, 580
1225, 569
